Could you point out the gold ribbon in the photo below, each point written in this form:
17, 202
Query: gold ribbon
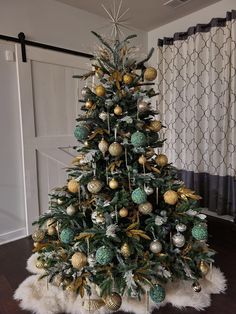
186, 193
96, 132
117, 77
114, 165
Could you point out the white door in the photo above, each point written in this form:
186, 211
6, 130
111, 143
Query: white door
49, 106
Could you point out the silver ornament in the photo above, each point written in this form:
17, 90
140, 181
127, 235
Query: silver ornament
143, 106
155, 246
113, 214
85, 90
159, 220
180, 227
163, 213
196, 286
97, 218
71, 210
94, 186
148, 190
178, 240
103, 115
91, 260
59, 201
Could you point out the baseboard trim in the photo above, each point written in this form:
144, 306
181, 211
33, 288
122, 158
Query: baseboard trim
13, 235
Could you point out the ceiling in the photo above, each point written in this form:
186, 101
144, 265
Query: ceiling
143, 15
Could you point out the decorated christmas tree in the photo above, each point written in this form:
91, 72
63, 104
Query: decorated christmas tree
123, 225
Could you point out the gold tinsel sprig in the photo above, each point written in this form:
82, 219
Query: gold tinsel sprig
132, 232
186, 193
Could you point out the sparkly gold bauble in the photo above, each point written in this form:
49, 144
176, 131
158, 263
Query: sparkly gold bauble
103, 146
78, 260
127, 79
94, 186
204, 267
113, 184
113, 301
161, 160
145, 208
38, 235
123, 212
115, 149
89, 104
142, 160
93, 304
100, 91
171, 197
51, 222
39, 264
118, 110
73, 186
155, 125
150, 74
125, 250
51, 231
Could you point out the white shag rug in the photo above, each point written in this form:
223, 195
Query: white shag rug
39, 297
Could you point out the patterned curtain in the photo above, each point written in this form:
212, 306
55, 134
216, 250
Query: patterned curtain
197, 85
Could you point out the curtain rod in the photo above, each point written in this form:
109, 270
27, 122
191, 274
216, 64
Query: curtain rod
21, 40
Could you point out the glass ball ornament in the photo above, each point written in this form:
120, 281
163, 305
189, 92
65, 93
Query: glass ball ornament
145, 208
199, 232
123, 212
178, 240
155, 125
51, 231
85, 91
128, 79
157, 293
150, 74
159, 221
170, 197
88, 104
113, 184
161, 160
204, 267
118, 110
100, 90
103, 146
70, 210
59, 201
103, 115
181, 227
142, 106
148, 190
73, 186
115, 149
113, 301
138, 139
98, 218
67, 235
139, 196
38, 235
94, 186
196, 287
156, 247
104, 255
81, 132
78, 260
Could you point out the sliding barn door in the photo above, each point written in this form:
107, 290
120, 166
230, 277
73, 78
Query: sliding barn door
49, 106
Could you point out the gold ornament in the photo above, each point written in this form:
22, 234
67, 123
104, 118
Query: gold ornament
143, 106
113, 301
73, 186
51, 222
127, 79
204, 267
37, 245
100, 90
186, 193
155, 126
125, 250
78, 260
93, 304
115, 149
39, 264
118, 110
103, 146
94, 186
142, 160
123, 212
150, 74
113, 184
170, 197
38, 235
161, 160
89, 104
99, 73
51, 230
145, 208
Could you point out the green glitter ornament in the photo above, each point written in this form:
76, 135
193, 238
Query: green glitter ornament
81, 132
157, 293
67, 235
104, 255
139, 196
199, 232
138, 139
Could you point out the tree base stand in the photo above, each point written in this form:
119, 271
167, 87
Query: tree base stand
41, 297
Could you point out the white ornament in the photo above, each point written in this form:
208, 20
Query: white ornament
160, 220
103, 116
178, 240
180, 227
71, 210
155, 246
148, 190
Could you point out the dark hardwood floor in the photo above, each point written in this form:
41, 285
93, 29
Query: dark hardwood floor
13, 258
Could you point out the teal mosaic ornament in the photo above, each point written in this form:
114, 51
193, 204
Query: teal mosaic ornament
199, 232
138, 139
67, 235
139, 196
81, 132
157, 293
104, 255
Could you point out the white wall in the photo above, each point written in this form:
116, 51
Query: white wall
181, 25
54, 23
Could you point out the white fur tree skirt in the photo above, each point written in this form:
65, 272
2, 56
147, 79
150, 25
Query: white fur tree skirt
42, 298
